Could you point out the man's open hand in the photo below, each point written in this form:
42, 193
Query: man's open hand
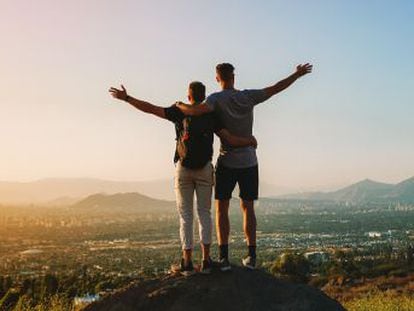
302, 70
119, 94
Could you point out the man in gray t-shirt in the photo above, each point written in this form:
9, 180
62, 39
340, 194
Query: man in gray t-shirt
239, 166
235, 109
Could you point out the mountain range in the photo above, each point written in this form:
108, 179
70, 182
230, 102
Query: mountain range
66, 191
364, 191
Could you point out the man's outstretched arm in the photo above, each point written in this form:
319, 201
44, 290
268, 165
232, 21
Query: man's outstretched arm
301, 70
194, 110
137, 103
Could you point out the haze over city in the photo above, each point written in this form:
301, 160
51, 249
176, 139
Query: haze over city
351, 119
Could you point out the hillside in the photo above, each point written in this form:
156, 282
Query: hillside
404, 191
123, 203
239, 290
364, 191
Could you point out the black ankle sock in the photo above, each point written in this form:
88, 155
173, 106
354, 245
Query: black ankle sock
224, 251
252, 251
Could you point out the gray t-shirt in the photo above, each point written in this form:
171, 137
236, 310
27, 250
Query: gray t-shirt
234, 108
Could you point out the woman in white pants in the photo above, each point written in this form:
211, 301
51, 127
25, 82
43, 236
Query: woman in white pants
194, 171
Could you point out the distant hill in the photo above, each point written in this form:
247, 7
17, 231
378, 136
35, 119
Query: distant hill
363, 191
123, 203
404, 191
64, 191
237, 290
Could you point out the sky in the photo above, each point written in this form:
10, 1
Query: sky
351, 119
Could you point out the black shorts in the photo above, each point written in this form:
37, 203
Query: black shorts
226, 179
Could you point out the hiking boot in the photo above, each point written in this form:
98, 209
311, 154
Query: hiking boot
224, 264
249, 262
206, 266
185, 270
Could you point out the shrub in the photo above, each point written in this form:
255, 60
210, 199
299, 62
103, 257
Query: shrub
294, 266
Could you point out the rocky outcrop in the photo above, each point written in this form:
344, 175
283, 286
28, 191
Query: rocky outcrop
239, 289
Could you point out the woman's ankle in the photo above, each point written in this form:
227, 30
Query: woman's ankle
187, 255
205, 250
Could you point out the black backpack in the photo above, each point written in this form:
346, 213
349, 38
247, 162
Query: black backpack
195, 137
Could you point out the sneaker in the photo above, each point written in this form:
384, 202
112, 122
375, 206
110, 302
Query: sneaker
182, 269
187, 270
249, 262
224, 264
206, 266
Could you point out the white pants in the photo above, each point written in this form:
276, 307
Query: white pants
186, 182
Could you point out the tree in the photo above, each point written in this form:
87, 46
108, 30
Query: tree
49, 285
27, 287
7, 283
294, 266
9, 300
410, 254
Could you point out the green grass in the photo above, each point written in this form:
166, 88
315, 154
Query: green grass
381, 301
54, 303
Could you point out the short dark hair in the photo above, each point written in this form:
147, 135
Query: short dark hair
225, 71
198, 91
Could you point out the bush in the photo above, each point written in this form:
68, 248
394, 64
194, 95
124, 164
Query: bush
52, 303
384, 269
318, 281
291, 265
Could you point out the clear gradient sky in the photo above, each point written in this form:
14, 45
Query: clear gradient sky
351, 119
